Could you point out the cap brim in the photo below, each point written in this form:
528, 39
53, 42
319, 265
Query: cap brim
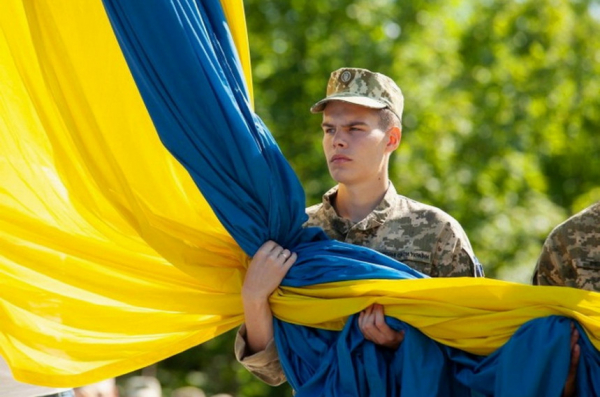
357, 100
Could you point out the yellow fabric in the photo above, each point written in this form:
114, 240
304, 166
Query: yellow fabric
234, 11
110, 259
94, 212
477, 315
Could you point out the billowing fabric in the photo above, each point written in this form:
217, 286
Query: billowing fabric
211, 129
111, 259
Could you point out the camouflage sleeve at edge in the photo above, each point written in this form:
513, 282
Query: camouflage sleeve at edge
549, 269
454, 254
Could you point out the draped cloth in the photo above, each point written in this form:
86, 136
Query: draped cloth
137, 181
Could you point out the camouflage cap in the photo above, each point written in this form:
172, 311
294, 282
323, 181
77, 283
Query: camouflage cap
362, 87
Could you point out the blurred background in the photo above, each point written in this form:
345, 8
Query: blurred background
501, 125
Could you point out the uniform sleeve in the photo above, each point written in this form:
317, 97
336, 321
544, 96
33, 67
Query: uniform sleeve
554, 266
264, 364
454, 256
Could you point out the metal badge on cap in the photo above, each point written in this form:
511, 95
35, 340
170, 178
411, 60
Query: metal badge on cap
346, 76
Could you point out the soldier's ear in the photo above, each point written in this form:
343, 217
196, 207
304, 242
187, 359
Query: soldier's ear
394, 138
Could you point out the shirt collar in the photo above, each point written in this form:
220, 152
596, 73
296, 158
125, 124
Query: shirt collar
376, 218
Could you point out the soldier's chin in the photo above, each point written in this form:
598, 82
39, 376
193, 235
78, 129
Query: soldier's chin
342, 177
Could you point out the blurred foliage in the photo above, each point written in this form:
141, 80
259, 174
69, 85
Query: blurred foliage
501, 126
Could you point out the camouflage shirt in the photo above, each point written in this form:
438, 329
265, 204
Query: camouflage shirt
421, 236
571, 254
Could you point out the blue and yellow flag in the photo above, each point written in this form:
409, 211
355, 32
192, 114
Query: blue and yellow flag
136, 182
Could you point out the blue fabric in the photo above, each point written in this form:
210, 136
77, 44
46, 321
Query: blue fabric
185, 65
182, 58
533, 363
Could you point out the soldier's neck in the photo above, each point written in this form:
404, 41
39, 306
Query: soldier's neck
355, 202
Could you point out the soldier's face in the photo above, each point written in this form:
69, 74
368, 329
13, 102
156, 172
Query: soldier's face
355, 146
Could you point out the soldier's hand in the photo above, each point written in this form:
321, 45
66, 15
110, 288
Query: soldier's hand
266, 270
570, 385
372, 324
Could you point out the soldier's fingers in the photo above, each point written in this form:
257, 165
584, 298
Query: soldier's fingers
369, 318
575, 353
268, 246
570, 384
379, 318
289, 260
402, 335
574, 337
263, 250
361, 322
362, 318
275, 254
268, 250
365, 321
262, 255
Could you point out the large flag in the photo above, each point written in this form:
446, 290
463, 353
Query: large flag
137, 181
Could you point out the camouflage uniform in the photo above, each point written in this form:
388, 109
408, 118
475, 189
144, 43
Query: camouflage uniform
421, 236
571, 254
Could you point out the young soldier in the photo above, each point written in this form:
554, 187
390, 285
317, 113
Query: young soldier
362, 115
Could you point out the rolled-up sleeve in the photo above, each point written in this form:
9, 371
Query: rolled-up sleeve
264, 364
